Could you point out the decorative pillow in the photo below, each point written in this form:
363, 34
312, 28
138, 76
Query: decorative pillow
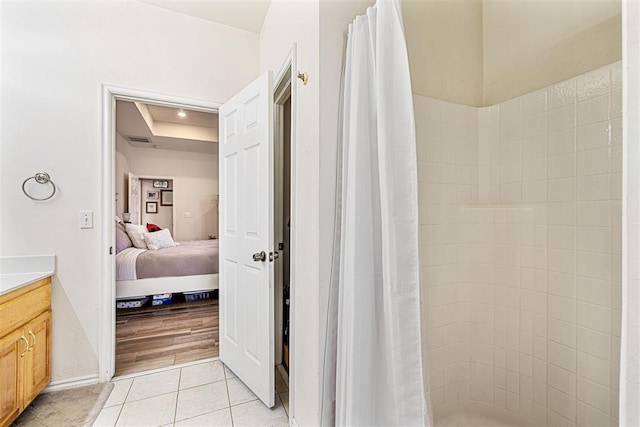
152, 227
159, 239
122, 239
136, 233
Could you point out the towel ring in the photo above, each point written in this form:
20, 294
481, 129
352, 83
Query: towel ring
40, 178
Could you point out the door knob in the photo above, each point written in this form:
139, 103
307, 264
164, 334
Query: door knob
260, 256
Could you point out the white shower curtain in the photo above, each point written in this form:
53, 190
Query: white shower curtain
375, 375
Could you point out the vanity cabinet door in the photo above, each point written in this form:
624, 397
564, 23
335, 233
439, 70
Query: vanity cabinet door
38, 360
13, 351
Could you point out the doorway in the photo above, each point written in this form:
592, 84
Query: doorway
158, 197
166, 299
282, 218
113, 94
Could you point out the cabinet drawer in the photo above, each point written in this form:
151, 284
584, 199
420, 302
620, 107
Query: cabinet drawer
14, 312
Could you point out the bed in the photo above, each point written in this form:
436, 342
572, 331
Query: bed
188, 266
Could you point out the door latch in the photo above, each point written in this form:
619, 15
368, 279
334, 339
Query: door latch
273, 255
260, 256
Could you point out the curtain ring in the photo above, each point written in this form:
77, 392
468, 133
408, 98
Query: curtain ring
40, 178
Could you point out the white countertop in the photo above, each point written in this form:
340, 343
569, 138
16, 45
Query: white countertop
18, 271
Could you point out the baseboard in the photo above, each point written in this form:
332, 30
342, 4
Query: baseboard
71, 383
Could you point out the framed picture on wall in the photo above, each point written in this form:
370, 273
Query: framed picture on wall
152, 207
153, 195
166, 198
160, 183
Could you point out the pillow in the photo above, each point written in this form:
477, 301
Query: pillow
122, 239
159, 239
152, 227
136, 232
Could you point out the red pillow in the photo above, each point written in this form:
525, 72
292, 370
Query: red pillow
152, 227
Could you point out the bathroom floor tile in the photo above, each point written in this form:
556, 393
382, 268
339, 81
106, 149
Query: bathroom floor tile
154, 411
119, 393
201, 374
229, 373
154, 385
200, 400
239, 393
207, 394
221, 418
108, 416
256, 414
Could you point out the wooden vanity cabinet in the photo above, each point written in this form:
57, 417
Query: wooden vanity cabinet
25, 347
10, 369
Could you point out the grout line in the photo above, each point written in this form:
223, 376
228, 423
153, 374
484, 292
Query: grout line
576, 228
228, 397
147, 398
164, 369
179, 379
175, 409
201, 385
128, 391
119, 413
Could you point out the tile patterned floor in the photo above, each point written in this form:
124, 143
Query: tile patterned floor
205, 394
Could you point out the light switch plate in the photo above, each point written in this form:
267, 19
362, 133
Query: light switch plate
86, 219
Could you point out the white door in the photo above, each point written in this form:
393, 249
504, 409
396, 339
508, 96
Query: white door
134, 199
246, 237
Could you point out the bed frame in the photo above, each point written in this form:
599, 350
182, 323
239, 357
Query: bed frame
164, 285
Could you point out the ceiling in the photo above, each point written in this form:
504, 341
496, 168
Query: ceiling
197, 132
161, 113
244, 14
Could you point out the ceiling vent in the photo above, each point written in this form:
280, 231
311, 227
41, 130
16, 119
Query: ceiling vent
142, 139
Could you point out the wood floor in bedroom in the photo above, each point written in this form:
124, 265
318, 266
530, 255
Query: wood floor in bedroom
161, 336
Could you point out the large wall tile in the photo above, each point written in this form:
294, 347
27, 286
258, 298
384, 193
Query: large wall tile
520, 228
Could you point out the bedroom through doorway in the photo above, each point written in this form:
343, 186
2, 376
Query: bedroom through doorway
166, 234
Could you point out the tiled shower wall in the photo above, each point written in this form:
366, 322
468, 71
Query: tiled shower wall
520, 208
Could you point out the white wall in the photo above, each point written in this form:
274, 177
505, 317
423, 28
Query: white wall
195, 185
481, 52
55, 57
521, 250
289, 22
531, 44
444, 40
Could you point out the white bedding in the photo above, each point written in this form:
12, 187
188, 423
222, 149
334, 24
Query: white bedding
126, 263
